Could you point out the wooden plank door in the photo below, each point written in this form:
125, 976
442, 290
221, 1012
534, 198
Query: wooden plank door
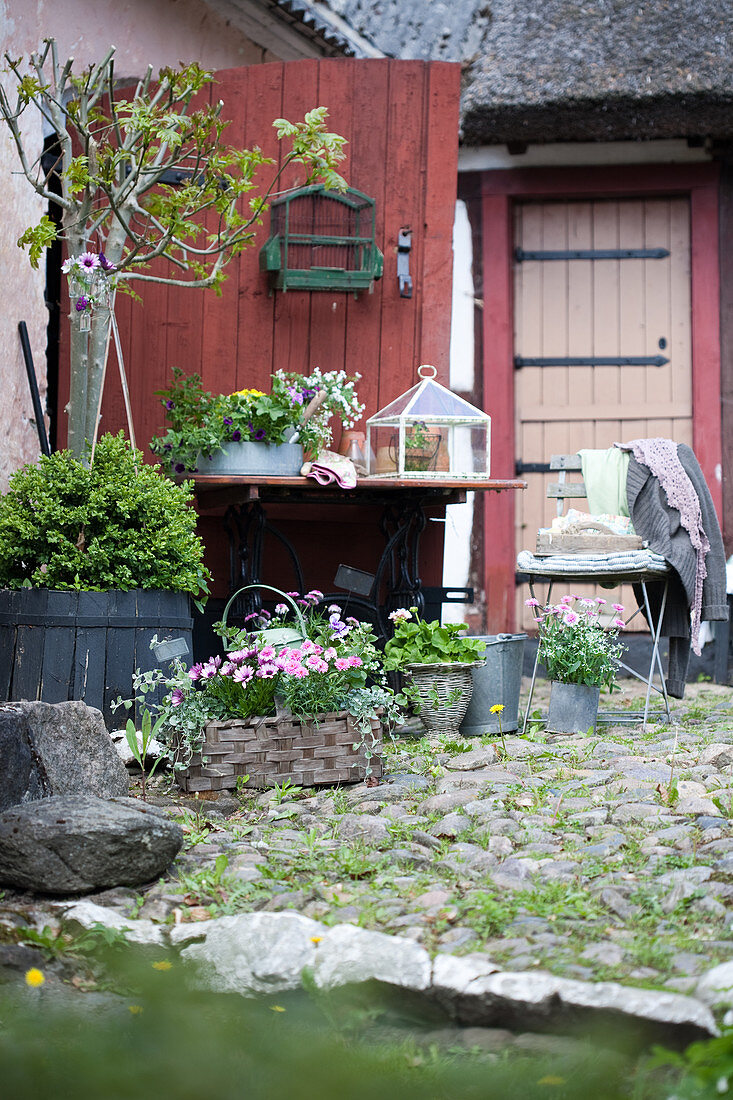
602, 307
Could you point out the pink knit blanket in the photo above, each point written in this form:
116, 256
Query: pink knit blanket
660, 456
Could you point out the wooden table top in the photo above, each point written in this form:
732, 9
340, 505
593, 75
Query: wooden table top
221, 490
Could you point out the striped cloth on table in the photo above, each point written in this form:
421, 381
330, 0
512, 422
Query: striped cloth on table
625, 561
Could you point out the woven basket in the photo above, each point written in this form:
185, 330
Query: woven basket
445, 680
270, 751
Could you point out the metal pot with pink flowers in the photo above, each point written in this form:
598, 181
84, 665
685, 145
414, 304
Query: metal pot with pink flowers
580, 650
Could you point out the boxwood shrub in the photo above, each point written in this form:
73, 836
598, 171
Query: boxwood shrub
120, 524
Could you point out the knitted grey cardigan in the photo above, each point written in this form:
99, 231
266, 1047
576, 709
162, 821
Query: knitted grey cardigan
659, 524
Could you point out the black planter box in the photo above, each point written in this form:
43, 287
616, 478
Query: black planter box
56, 645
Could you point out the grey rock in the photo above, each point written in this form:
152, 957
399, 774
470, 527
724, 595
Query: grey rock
634, 812
427, 841
268, 952
75, 844
696, 806
707, 824
444, 803
477, 758
349, 954
535, 999
717, 754
55, 749
617, 903
715, 987
464, 781
500, 845
607, 954
361, 827
252, 953
86, 914
452, 825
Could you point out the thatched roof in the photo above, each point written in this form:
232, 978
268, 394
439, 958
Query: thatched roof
570, 70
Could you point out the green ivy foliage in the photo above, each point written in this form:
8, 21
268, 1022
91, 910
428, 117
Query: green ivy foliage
120, 524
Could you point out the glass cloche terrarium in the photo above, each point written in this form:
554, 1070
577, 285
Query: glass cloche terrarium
429, 432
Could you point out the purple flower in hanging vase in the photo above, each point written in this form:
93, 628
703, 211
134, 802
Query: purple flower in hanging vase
89, 261
105, 264
82, 303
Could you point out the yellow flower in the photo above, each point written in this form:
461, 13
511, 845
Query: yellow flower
316, 939
248, 393
497, 708
135, 1009
34, 978
162, 965
551, 1079
276, 1008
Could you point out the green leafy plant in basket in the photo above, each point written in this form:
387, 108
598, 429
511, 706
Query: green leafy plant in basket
436, 659
417, 642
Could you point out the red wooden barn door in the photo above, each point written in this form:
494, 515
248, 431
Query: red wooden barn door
401, 122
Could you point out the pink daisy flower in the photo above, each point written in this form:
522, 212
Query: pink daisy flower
89, 261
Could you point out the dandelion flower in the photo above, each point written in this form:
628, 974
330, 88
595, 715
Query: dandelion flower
497, 708
316, 939
135, 1010
34, 977
277, 1008
163, 965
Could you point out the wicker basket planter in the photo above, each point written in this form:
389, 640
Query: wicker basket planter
453, 685
272, 750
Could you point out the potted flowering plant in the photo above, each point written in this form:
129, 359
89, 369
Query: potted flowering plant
253, 431
580, 655
438, 661
311, 713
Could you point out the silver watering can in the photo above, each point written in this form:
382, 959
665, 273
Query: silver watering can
276, 636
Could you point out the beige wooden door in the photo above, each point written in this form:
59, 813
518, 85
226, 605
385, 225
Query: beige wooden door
597, 308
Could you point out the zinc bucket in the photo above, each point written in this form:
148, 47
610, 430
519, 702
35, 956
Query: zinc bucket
496, 681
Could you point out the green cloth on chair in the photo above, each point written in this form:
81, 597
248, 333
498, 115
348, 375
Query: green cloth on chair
604, 474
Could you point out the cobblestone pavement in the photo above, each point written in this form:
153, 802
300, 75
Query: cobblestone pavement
601, 858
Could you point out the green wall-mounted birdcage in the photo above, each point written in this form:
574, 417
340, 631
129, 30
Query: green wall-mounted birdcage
322, 240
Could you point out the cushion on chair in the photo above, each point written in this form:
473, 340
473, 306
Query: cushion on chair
627, 561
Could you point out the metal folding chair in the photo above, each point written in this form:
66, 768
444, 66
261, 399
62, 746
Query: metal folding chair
638, 567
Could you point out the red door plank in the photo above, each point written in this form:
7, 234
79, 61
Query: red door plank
256, 308
328, 309
368, 154
403, 204
291, 346
498, 340
441, 181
